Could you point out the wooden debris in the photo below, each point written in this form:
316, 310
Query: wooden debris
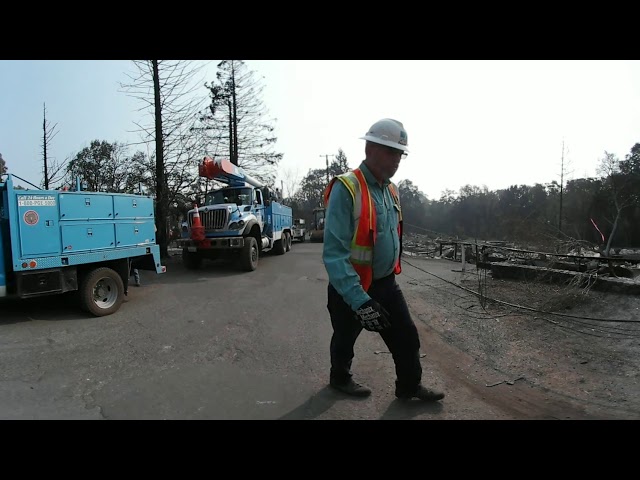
508, 382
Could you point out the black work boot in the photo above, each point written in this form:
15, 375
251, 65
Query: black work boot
422, 393
352, 388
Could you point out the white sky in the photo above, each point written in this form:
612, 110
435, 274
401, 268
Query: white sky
493, 123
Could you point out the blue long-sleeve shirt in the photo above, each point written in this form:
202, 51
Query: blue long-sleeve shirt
338, 232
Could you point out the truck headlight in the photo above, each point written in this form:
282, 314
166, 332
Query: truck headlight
236, 225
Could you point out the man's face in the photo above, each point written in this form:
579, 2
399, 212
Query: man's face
390, 160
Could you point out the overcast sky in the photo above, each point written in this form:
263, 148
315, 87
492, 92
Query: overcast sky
493, 123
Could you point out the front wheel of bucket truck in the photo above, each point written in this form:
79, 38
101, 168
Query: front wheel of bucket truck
249, 260
101, 292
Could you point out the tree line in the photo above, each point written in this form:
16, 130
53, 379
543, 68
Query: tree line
601, 212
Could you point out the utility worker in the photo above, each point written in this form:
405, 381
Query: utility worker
361, 253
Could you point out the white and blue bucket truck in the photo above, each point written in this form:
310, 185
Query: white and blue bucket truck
59, 241
241, 219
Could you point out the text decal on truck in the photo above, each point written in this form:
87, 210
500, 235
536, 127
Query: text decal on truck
36, 201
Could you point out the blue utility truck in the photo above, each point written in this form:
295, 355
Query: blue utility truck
56, 241
242, 219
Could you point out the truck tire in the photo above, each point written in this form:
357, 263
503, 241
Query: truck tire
191, 260
302, 238
250, 253
288, 241
101, 292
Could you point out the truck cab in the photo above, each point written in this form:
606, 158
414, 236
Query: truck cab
241, 219
299, 230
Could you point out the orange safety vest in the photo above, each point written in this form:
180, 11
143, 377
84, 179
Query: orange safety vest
364, 236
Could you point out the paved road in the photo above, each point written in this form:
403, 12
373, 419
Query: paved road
217, 343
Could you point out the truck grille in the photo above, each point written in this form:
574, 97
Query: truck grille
212, 220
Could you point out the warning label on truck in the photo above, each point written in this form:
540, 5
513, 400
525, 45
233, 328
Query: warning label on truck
36, 201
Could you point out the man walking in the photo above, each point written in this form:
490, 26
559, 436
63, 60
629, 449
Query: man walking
361, 253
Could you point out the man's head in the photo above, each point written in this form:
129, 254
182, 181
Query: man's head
387, 143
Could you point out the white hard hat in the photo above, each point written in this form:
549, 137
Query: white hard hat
388, 132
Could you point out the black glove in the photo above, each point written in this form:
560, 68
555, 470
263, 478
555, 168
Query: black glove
373, 316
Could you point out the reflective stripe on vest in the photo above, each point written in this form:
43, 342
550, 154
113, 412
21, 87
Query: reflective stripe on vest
365, 226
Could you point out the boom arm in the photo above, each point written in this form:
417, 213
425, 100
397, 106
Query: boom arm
224, 171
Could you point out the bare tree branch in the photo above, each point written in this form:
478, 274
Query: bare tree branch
52, 170
236, 121
167, 91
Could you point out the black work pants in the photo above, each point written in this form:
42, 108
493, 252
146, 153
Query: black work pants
401, 337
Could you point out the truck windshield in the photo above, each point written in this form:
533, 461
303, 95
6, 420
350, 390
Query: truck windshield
238, 196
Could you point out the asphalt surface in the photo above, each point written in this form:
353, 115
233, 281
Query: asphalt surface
217, 343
